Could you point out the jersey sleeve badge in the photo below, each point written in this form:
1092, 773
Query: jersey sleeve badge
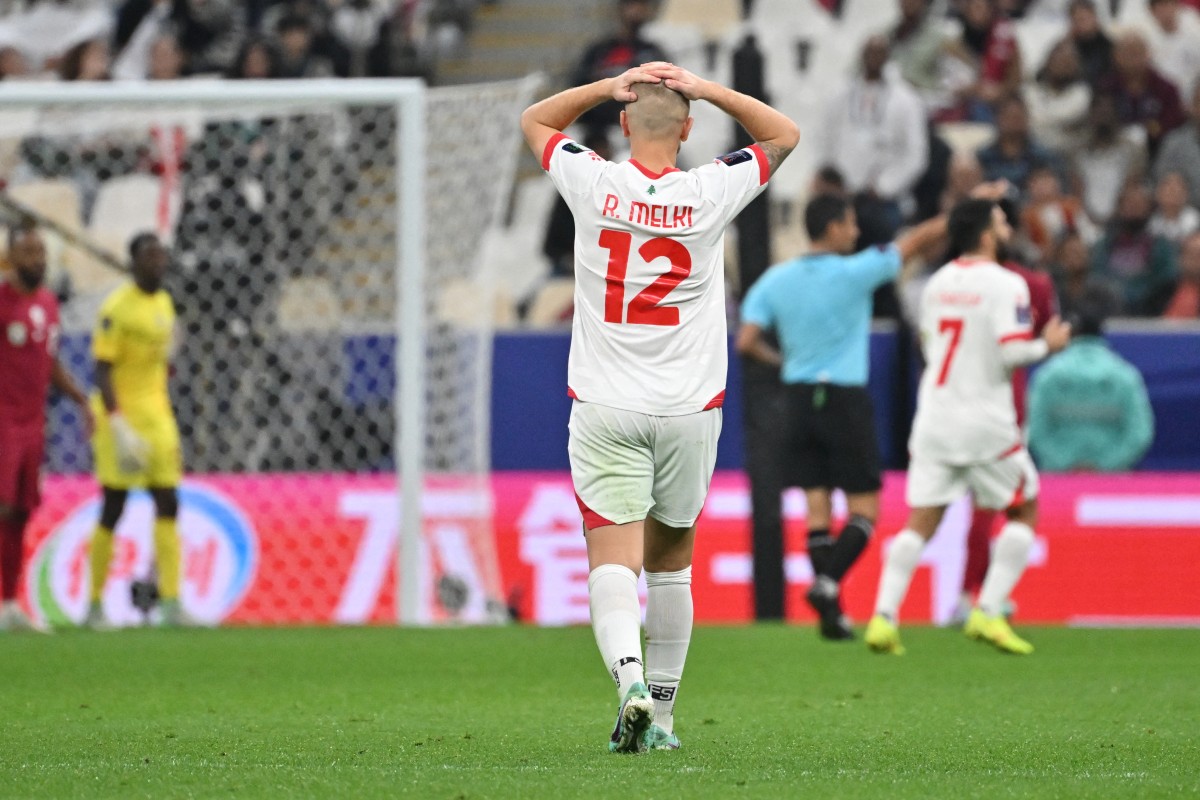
736, 157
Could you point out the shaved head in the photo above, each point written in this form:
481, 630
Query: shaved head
658, 112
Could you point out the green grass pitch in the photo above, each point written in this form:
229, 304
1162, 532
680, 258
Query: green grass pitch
764, 711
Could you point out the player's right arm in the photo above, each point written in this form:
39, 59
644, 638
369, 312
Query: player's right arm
772, 131
547, 118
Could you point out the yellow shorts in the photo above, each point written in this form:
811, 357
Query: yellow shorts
165, 465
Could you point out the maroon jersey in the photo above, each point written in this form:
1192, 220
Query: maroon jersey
1043, 304
28, 343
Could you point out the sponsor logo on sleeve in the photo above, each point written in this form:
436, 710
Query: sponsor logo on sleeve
736, 157
1024, 315
571, 147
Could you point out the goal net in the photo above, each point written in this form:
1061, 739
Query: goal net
333, 343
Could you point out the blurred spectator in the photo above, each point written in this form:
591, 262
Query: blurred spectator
827, 180
1071, 269
1173, 219
357, 24
1094, 46
1185, 302
1144, 97
1015, 153
928, 191
965, 175
86, 61
210, 31
1180, 151
1051, 215
875, 136
988, 47
399, 51
159, 58
1088, 407
135, 38
613, 55
1058, 100
257, 60
296, 56
1131, 257
1173, 34
1107, 160
318, 18
12, 64
917, 44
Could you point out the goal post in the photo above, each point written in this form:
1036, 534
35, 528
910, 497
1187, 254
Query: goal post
278, 196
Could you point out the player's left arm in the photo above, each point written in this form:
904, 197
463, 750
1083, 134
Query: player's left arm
63, 381
547, 118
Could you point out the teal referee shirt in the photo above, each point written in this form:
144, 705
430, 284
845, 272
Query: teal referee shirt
819, 306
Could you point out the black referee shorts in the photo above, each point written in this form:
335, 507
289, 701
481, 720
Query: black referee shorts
829, 438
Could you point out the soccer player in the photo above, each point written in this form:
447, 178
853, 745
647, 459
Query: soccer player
975, 329
648, 358
819, 305
1043, 305
136, 442
29, 366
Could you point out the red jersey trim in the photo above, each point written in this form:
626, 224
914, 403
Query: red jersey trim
716, 402
591, 519
549, 151
764, 167
970, 261
1019, 495
652, 175
571, 393
1012, 451
1018, 336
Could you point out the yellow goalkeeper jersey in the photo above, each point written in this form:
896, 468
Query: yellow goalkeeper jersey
134, 334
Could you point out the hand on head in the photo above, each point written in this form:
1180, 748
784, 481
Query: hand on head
677, 79
992, 190
623, 85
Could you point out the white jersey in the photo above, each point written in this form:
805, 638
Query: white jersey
649, 328
965, 411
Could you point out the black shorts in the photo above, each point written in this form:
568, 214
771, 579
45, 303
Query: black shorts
829, 438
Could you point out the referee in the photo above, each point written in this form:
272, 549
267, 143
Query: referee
819, 306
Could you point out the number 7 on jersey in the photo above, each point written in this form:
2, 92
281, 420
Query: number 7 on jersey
955, 327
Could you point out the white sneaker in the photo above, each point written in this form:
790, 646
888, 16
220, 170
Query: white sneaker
175, 616
96, 620
13, 618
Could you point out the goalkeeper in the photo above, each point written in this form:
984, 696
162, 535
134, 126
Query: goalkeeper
136, 442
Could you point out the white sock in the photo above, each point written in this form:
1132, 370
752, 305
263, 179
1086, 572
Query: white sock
617, 623
902, 559
1009, 557
668, 633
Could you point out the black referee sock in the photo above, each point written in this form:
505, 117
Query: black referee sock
820, 548
850, 544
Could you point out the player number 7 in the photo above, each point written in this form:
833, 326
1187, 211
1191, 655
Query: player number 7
644, 309
955, 326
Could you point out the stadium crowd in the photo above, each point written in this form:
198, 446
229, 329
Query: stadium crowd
1089, 108
88, 40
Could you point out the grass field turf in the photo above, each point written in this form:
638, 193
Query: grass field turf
765, 711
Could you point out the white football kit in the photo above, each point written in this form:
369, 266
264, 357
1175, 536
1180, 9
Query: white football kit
648, 336
965, 435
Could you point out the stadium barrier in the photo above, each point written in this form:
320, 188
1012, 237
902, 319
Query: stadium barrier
1110, 550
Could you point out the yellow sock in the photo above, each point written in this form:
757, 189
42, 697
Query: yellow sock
167, 553
100, 557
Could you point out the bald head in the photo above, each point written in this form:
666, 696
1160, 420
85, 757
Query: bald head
658, 112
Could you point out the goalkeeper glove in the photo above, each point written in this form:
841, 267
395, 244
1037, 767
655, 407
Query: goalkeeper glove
132, 450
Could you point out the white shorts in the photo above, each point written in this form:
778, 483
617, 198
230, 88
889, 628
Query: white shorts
627, 465
1000, 484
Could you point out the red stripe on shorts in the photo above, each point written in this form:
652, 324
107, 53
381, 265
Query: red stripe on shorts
591, 519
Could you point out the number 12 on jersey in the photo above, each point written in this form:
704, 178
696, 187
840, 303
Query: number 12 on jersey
644, 308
